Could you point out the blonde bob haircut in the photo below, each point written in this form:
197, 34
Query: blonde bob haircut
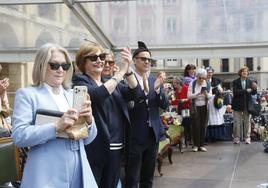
243, 69
86, 49
42, 58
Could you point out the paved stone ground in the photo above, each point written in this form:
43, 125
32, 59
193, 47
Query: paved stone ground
225, 165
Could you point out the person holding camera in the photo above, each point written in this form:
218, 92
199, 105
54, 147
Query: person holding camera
199, 92
109, 102
53, 161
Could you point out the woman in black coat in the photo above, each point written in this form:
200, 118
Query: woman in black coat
242, 93
109, 97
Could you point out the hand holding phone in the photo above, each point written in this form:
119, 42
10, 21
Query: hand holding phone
80, 97
203, 89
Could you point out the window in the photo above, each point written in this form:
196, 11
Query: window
119, 24
146, 2
205, 62
119, 3
170, 2
249, 63
145, 25
74, 20
172, 62
47, 11
171, 25
225, 65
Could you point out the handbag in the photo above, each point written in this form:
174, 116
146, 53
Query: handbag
218, 101
79, 130
254, 108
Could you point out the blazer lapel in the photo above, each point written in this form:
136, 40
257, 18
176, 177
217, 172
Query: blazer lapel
69, 96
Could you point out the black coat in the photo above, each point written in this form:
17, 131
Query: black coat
240, 96
144, 112
98, 150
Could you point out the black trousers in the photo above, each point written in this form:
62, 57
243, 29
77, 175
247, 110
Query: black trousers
107, 174
141, 163
199, 126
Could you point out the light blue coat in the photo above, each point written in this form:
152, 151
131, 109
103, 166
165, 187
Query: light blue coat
46, 166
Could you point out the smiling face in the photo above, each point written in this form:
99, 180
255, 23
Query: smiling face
55, 78
94, 67
244, 73
142, 62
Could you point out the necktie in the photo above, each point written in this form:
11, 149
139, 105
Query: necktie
145, 84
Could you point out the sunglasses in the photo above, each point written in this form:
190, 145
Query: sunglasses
56, 66
144, 59
95, 57
111, 63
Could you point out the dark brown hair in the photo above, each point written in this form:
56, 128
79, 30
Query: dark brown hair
187, 68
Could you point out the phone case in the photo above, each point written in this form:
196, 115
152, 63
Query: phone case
80, 96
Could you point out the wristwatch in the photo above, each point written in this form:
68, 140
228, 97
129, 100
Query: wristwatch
128, 74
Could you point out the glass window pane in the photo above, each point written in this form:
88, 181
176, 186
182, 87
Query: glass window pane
33, 25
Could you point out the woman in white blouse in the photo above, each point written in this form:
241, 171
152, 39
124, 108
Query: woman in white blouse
199, 92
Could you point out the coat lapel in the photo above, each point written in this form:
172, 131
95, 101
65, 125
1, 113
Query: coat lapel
69, 96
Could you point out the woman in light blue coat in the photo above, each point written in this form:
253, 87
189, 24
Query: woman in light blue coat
52, 162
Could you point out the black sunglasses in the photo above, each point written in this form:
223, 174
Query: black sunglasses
56, 66
145, 59
95, 57
111, 63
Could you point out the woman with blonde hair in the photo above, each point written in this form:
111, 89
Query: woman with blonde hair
52, 161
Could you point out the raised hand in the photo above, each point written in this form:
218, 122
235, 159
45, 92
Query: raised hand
126, 58
160, 80
4, 85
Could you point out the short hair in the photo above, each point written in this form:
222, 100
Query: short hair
42, 58
201, 72
187, 68
210, 69
87, 48
178, 80
242, 69
109, 52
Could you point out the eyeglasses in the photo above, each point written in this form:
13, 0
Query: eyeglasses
56, 66
111, 63
95, 57
201, 78
144, 59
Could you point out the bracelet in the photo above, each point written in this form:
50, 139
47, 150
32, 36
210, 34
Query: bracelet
128, 74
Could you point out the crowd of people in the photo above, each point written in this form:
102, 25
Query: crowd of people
206, 103
121, 114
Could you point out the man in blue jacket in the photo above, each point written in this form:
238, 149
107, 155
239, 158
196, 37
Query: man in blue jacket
146, 128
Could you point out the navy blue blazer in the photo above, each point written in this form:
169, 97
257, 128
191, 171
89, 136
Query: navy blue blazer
142, 114
98, 150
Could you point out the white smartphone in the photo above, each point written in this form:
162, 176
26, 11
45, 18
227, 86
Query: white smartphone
80, 96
